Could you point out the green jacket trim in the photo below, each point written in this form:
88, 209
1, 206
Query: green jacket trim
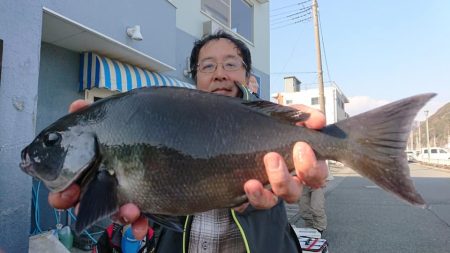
241, 230
185, 233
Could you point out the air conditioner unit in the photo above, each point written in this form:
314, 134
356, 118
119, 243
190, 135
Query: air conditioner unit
210, 27
262, 1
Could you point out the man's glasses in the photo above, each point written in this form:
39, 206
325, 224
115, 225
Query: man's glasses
232, 64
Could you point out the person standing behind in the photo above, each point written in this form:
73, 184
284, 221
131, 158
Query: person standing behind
253, 85
312, 208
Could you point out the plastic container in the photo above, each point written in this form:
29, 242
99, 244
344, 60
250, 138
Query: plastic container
65, 237
129, 243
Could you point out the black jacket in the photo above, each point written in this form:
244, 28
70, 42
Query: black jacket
262, 231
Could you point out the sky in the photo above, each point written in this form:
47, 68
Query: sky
375, 51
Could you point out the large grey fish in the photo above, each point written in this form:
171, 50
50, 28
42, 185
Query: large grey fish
175, 151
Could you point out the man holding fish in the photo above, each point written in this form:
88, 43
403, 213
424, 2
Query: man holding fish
221, 64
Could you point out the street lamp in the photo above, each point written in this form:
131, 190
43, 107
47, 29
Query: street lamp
428, 135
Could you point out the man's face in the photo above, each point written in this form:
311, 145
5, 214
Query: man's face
223, 54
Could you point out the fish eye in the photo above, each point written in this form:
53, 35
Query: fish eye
52, 139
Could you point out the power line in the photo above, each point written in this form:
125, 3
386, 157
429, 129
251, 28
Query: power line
293, 23
295, 72
287, 6
292, 14
289, 11
291, 18
323, 46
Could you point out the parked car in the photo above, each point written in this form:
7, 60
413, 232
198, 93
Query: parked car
410, 155
435, 153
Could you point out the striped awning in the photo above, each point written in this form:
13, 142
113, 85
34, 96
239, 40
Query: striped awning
103, 72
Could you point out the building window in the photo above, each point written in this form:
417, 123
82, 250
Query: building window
1, 58
234, 14
315, 101
242, 18
218, 9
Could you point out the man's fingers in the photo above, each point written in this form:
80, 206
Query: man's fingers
78, 105
259, 197
312, 172
316, 118
65, 199
282, 182
140, 228
129, 213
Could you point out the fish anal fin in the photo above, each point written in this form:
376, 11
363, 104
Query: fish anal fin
285, 113
100, 200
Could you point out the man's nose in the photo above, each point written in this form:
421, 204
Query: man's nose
220, 72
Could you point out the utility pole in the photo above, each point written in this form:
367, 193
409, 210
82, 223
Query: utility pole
420, 138
428, 135
319, 57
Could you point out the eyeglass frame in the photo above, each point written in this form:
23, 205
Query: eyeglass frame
243, 64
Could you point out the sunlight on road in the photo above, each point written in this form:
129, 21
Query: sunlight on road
419, 170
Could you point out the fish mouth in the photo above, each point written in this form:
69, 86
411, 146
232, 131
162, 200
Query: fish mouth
27, 165
82, 178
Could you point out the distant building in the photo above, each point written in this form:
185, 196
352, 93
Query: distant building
335, 99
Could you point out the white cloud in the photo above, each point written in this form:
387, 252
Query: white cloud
360, 104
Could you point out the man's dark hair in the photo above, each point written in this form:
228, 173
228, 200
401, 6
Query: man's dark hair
244, 52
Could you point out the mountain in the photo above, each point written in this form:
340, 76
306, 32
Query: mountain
438, 127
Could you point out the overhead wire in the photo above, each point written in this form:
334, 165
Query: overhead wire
294, 72
293, 23
290, 17
323, 46
287, 6
280, 23
292, 52
289, 12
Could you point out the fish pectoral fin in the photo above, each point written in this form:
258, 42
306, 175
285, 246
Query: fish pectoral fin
281, 112
99, 201
169, 222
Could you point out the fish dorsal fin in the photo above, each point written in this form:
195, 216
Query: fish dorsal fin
99, 200
281, 112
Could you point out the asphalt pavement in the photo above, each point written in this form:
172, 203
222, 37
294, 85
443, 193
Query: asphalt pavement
364, 218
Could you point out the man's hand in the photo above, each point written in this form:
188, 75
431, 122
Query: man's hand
309, 171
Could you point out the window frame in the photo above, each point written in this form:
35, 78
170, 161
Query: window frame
229, 25
1, 59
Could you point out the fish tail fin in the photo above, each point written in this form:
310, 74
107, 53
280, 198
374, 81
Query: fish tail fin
373, 144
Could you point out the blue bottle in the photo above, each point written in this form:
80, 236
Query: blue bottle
129, 243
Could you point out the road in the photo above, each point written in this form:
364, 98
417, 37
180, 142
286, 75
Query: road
364, 218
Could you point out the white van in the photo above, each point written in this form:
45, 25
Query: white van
435, 153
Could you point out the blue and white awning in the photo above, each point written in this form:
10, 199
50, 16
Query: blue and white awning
102, 72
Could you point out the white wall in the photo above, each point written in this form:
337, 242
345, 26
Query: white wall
190, 22
333, 111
